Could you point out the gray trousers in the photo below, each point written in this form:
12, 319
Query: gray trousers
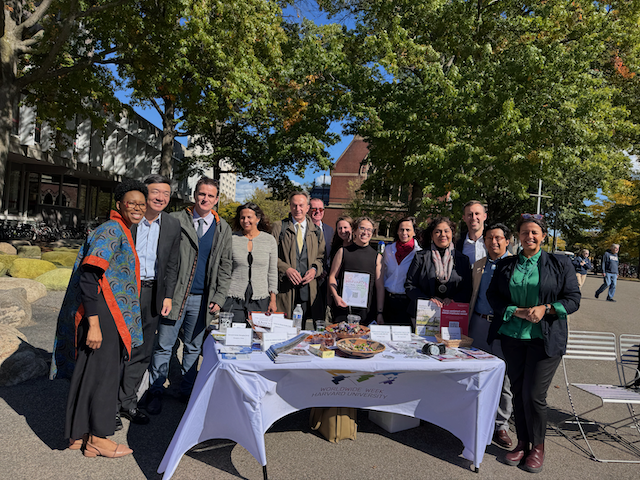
478, 330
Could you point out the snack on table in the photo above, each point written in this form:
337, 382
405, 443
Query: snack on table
327, 339
348, 330
359, 347
321, 351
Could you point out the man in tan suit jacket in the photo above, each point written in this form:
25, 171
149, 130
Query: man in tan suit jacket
496, 239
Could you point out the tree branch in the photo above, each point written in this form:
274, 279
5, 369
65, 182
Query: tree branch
41, 75
35, 17
100, 8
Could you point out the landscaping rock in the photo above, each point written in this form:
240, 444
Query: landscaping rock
15, 309
8, 260
30, 268
62, 258
57, 279
19, 361
35, 290
7, 249
29, 251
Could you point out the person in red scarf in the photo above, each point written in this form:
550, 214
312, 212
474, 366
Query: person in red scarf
395, 264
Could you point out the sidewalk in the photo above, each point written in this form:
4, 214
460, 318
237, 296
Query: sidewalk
32, 447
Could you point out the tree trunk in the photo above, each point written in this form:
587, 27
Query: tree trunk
416, 198
168, 136
7, 93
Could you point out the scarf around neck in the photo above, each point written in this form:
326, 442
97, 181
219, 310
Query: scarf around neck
404, 249
444, 266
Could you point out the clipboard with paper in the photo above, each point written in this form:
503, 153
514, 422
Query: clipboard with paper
355, 289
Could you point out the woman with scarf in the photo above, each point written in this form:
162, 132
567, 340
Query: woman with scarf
439, 273
99, 323
395, 265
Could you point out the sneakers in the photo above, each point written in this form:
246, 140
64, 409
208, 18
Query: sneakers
597, 294
610, 300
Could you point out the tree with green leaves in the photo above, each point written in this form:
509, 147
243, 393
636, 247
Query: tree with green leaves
201, 64
481, 99
54, 54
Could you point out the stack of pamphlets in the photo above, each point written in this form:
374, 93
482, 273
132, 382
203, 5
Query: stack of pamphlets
289, 352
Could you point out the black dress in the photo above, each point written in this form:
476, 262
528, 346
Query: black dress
93, 393
359, 260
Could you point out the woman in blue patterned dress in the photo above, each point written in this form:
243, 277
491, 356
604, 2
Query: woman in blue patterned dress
98, 324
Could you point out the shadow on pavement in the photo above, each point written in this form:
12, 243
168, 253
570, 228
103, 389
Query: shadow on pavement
42, 403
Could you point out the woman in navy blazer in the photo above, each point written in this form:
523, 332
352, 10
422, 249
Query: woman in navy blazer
531, 294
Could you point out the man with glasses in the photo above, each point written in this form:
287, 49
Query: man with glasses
155, 237
317, 214
204, 275
301, 251
496, 240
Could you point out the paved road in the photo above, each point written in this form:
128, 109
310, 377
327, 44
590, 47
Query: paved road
31, 443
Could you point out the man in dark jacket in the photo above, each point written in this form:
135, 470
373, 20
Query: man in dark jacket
610, 272
582, 264
155, 237
203, 281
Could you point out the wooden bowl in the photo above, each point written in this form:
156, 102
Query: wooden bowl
334, 327
359, 347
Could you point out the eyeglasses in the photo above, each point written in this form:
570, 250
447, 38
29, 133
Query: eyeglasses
366, 230
534, 216
317, 210
135, 206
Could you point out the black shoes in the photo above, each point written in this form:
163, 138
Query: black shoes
610, 300
597, 294
118, 422
135, 416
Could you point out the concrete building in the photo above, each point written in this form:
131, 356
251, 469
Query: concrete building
69, 180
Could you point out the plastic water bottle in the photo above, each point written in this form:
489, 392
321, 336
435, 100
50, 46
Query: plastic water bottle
381, 247
297, 317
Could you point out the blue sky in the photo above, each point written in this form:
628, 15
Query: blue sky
244, 188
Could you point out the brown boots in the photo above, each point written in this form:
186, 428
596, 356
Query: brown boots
533, 458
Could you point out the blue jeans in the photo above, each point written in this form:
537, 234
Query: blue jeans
192, 322
610, 280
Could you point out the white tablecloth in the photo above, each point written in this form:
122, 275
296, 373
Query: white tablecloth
240, 399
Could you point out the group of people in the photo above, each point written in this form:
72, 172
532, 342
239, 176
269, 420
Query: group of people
145, 277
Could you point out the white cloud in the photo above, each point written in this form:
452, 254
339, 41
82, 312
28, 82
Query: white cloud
245, 188
323, 179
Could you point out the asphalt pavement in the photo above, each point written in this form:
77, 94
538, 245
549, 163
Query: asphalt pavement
32, 446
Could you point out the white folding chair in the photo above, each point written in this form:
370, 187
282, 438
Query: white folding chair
601, 346
629, 373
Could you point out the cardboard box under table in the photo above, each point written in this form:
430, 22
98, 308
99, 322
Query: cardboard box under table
240, 400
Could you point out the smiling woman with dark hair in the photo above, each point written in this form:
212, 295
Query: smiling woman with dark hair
531, 295
254, 277
439, 272
99, 323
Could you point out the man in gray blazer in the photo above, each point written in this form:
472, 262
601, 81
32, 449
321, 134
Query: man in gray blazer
157, 239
